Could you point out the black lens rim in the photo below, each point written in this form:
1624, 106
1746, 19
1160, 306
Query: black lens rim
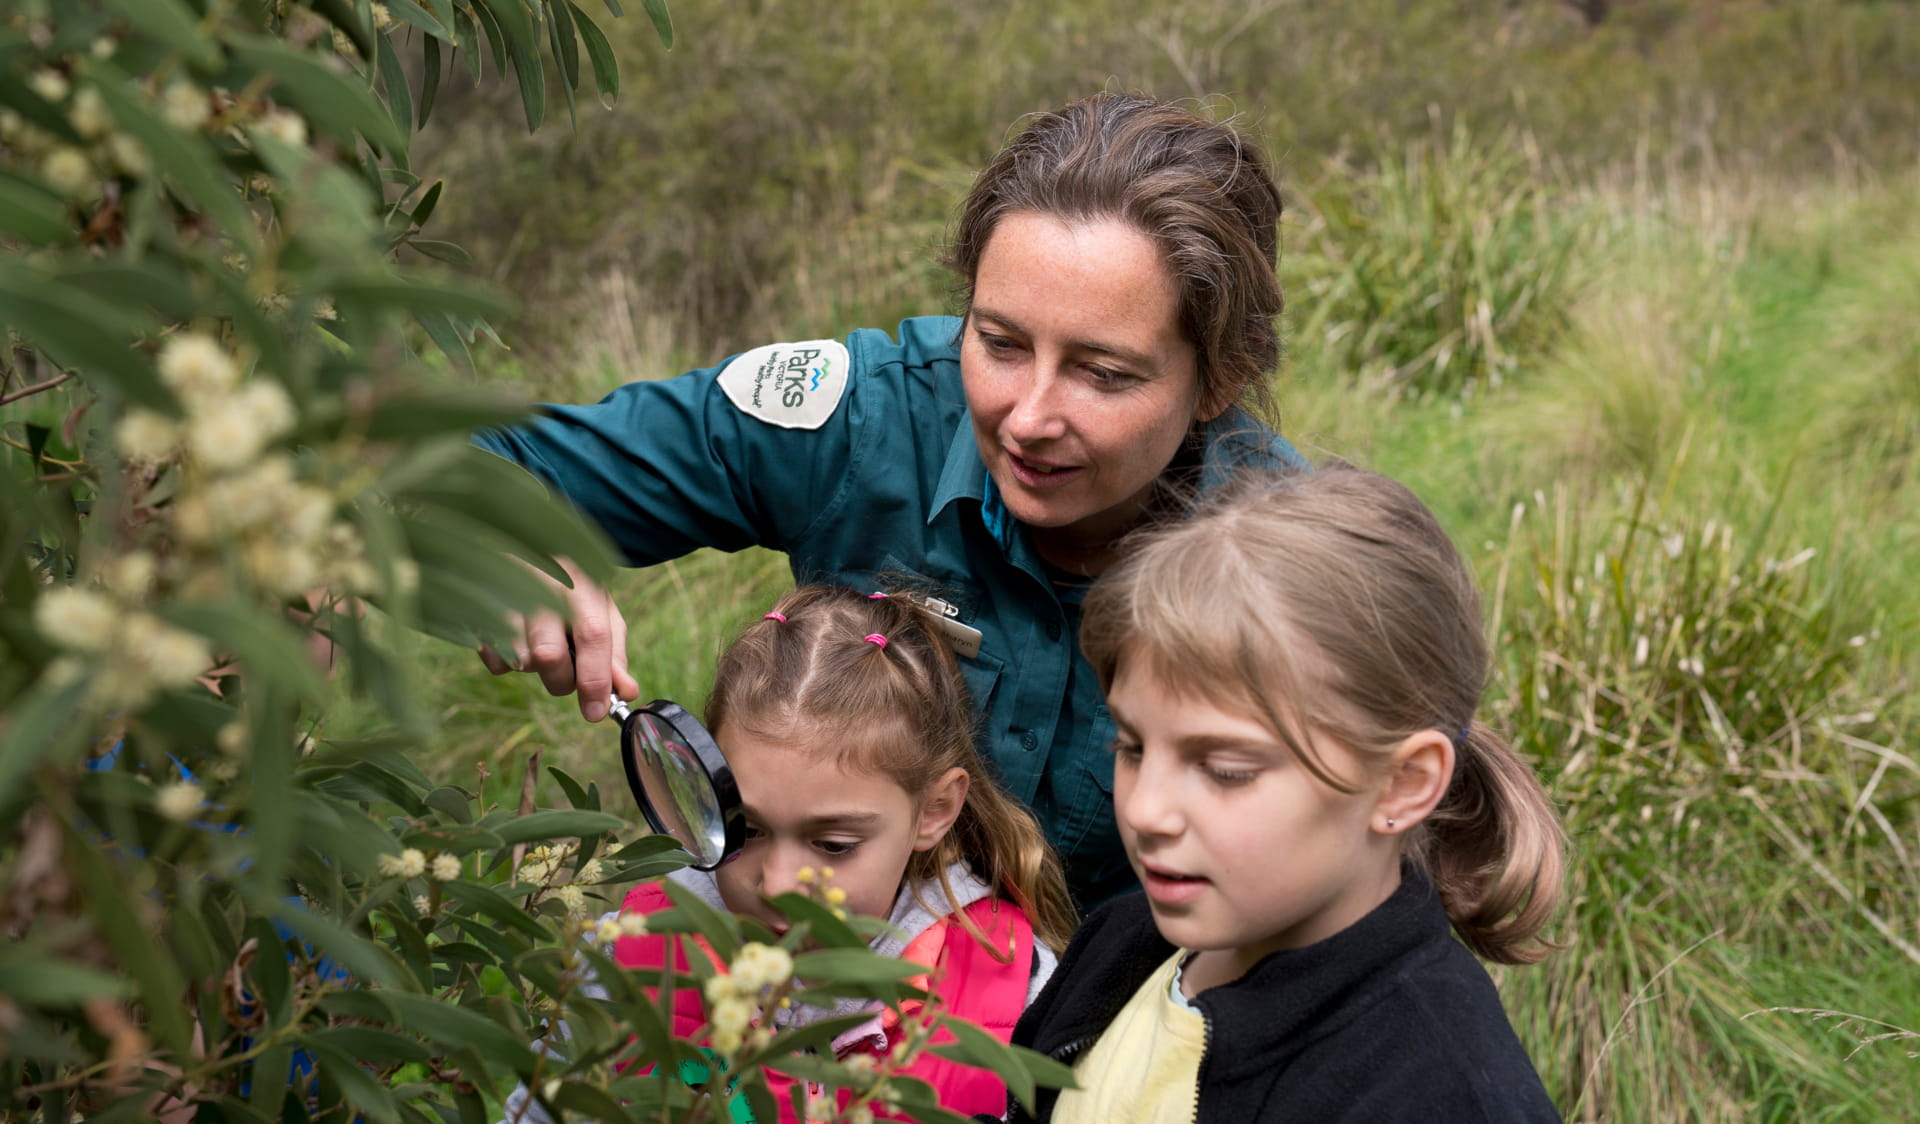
712, 761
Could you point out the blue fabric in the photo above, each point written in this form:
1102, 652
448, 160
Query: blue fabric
889, 489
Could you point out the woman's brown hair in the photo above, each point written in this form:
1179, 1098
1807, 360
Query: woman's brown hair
1331, 604
1196, 187
900, 711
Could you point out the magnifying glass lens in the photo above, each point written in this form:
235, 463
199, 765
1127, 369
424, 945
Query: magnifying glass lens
677, 793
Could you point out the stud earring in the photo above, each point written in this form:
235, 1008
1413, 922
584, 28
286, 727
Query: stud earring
1389, 825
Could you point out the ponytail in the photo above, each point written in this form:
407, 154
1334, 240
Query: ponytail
1494, 850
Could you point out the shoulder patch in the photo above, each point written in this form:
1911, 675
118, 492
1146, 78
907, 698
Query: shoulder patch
791, 385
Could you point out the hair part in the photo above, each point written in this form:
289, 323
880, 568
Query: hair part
1331, 604
1199, 189
899, 710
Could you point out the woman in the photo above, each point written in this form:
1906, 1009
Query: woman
1118, 264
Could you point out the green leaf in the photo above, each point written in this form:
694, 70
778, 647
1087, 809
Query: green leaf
452, 1025
356, 1086
662, 21
39, 724
485, 900
39, 980
553, 824
533, 85
974, 1046
370, 1006
423, 411
370, 1043
852, 965
31, 213
393, 79
464, 20
454, 297
450, 340
503, 495
343, 15
424, 209
335, 104
576, 795
513, 19
367, 960
174, 25
406, 11
454, 803
111, 900
429, 77
818, 917
590, 1102
81, 332
264, 643
606, 72
440, 251
566, 48
721, 930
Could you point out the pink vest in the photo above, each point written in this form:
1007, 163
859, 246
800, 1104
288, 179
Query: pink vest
965, 978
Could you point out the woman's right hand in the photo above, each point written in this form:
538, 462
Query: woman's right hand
583, 653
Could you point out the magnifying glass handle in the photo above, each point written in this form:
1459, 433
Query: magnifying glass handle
619, 708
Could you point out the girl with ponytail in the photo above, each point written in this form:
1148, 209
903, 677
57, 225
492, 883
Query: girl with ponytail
1306, 795
846, 722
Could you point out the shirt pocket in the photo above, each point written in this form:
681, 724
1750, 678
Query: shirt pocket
982, 673
1087, 791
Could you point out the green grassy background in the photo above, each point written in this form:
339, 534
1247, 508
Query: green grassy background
1632, 306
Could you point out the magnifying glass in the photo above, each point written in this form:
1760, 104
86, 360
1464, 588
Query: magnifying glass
681, 780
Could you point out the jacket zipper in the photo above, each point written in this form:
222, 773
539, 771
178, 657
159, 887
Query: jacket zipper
1199, 1072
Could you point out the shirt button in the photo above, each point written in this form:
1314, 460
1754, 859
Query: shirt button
1053, 630
1028, 741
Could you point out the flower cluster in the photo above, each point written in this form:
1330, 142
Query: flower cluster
413, 862
611, 929
289, 540
134, 654
733, 997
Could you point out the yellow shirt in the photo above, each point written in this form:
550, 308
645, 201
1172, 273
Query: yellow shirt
1145, 1068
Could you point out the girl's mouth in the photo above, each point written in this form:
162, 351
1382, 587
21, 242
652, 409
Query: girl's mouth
1165, 887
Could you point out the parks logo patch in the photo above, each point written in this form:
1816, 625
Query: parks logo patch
791, 385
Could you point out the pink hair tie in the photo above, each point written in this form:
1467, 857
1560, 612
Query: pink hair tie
876, 638
776, 615
876, 597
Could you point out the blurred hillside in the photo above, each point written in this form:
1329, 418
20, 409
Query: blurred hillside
786, 154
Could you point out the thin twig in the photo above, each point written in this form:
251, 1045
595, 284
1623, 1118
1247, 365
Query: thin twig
29, 391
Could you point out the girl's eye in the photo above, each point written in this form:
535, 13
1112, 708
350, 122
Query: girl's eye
837, 848
753, 833
1231, 778
1124, 749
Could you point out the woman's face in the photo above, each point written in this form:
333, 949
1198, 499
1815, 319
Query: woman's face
1079, 380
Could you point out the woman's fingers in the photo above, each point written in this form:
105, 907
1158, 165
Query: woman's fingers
584, 652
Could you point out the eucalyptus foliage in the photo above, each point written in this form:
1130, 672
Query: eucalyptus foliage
229, 473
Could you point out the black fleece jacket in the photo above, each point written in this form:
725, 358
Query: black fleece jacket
1390, 1020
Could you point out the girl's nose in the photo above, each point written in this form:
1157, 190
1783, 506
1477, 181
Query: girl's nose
1151, 804
779, 874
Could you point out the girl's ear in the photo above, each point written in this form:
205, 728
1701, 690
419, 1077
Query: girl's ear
940, 808
1419, 770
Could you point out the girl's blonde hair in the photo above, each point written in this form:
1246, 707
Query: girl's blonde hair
898, 710
1331, 604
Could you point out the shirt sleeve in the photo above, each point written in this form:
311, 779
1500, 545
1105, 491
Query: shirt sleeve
666, 467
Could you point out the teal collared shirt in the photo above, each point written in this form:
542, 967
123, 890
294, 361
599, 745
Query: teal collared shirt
886, 489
